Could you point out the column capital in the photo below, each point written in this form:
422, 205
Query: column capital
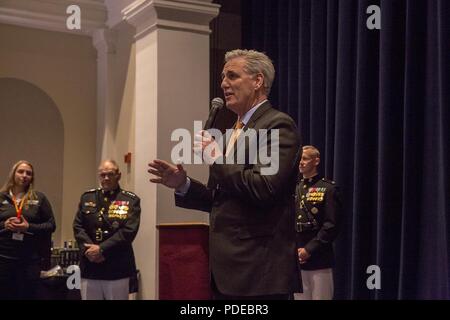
183, 15
104, 40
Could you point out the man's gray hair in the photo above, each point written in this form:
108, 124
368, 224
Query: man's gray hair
257, 62
111, 161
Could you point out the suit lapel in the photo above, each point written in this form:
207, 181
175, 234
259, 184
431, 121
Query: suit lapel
262, 109
258, 113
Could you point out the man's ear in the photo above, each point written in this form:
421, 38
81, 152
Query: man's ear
317, 161
259, 81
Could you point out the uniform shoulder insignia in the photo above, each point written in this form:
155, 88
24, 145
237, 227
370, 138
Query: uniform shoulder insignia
91, 190
329, 181
130, 194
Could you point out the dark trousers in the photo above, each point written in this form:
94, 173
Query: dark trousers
217, 295
19, 279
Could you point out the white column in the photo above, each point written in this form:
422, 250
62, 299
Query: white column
104, 42
172, 90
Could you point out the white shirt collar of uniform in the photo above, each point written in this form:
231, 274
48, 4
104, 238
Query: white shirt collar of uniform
246, 117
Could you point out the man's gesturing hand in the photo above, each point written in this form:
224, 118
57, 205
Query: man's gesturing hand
167, 174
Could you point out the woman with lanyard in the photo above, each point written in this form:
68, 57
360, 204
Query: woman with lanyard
26, 219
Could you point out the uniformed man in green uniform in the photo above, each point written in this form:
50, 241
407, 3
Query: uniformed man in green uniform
317, 213
105, 226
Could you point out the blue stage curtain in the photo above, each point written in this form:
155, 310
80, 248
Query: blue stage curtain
376, 103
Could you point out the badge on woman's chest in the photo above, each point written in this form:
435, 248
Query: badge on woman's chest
17, 236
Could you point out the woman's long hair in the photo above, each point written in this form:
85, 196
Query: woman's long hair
10, 183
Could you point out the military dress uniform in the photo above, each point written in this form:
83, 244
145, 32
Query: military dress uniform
317, 213
111, 220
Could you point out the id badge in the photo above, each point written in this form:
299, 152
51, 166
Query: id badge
17, 236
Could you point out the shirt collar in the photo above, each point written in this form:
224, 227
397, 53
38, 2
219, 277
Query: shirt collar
246, 117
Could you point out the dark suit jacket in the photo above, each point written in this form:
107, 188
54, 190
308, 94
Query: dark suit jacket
252, 234
36, 243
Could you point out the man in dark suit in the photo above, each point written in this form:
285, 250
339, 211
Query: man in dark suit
250, 199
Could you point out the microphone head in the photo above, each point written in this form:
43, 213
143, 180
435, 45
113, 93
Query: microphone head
216, 106
217, 103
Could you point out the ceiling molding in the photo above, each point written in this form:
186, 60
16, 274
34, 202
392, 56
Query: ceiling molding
145, 15
51, 14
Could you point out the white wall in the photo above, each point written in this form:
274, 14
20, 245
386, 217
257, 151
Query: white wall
160, 83
64, 67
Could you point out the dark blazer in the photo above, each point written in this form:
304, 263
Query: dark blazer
252, 234
110, 220
39, 214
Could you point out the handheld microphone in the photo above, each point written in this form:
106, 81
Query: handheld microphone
216, 105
